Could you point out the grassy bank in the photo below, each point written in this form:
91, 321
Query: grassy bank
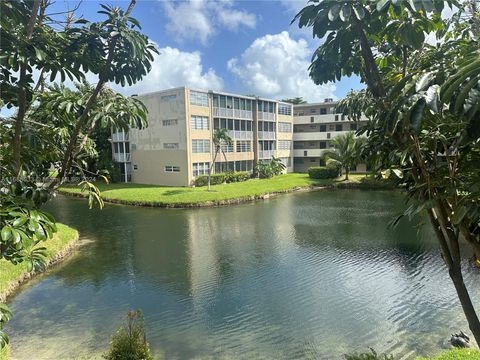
456, 354
11, 276
153, 195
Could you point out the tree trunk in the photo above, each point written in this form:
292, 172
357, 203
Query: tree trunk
211, 166
473, 323
347, 171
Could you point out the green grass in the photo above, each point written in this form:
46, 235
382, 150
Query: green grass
178, 196
456, 354
10, 273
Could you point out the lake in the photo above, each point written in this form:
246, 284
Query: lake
300, 276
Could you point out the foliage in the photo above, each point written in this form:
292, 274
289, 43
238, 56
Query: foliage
267, 169
456, 354
220, 138
423, 106
52, 125
295, 101
324, 172
371, 355
129, 342
346, 153
220, 178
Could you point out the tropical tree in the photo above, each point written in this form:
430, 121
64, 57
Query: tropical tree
269, 168
346, 152
52, 125
220, 138
423, 106
295, 101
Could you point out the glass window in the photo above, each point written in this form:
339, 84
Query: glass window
229, 102
216, 123
199, 122
323, 111
243, 125
284, 144
323, 128
172, 168
230, 124
200, 146
223, 123
353, 127
284, 127
271, 107
249, 105
338, 127
236, 103
313, 111
242, 104
244, 146
323, 144
285, 109
216, 101
237, 125
249, 125
170, 146
198, 98
171, 122
223, 101
200, 168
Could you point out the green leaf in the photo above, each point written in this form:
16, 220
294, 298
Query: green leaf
432, 98
382, 5
40, 54
334, 12
459, 214
417, 114
345, 13
359, 11
6, 233
424, 81
20, 221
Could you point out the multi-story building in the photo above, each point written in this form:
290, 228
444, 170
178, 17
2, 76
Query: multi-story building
315, 125
176, 147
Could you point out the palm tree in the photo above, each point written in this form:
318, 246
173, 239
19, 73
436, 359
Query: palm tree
347, 152
295, 101
220, 137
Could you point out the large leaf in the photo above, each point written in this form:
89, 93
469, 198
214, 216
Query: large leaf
334, 12
424, 81
345, 12
417, 114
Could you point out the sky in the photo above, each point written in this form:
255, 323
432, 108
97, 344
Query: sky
245, 47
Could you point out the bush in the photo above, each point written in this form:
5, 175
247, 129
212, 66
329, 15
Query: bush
220, 178
324, 172
129, 342
268, 169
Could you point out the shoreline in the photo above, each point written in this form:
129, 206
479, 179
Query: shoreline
237, 201
25, 276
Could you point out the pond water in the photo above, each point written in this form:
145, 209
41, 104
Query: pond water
301, 276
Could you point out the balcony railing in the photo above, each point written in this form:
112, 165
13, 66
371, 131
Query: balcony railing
266, 154
266, 116
121, 157
232, 113
240, 135
266, 135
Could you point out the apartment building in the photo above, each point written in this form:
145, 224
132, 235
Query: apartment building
315, 126
177, 146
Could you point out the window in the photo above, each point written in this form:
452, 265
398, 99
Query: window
116, 148
313, 111
297, 145
170, 122
244, 146
284, 144
226, 148
323, 128
353, 126
200, 168
199, 122
200, 146
171, 168
336, 117
171, 97
312, 119
331, 127
338, 127
328, 135
135, 167
284, 127
198, 98
284, 109
323, 144
305, 153
286, 161
298, 160
170, 146
323, 111
313, 160
343, 117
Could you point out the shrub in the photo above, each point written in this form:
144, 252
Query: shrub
268, 169
231, 176
324, 172
129, 342
220, 178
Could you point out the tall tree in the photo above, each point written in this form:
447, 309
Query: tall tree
54, 125
220, 138
346, 152
423, 105
295, 101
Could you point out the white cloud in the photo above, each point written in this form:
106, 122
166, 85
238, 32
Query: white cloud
173, 68
277, 66
201, 19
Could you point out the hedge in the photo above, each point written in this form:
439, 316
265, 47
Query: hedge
323, 172
216, 179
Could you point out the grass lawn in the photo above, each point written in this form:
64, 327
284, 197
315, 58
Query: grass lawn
456, 354
10, 274
178, 196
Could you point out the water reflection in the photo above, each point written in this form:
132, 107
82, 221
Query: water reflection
300, 276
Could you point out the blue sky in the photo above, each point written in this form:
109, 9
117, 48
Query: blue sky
246, 47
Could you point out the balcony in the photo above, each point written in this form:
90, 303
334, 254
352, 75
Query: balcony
240, 135
121, 157
266, 116
232, 113
266, 135
312, 136
310, 152
120, 136
266, 154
